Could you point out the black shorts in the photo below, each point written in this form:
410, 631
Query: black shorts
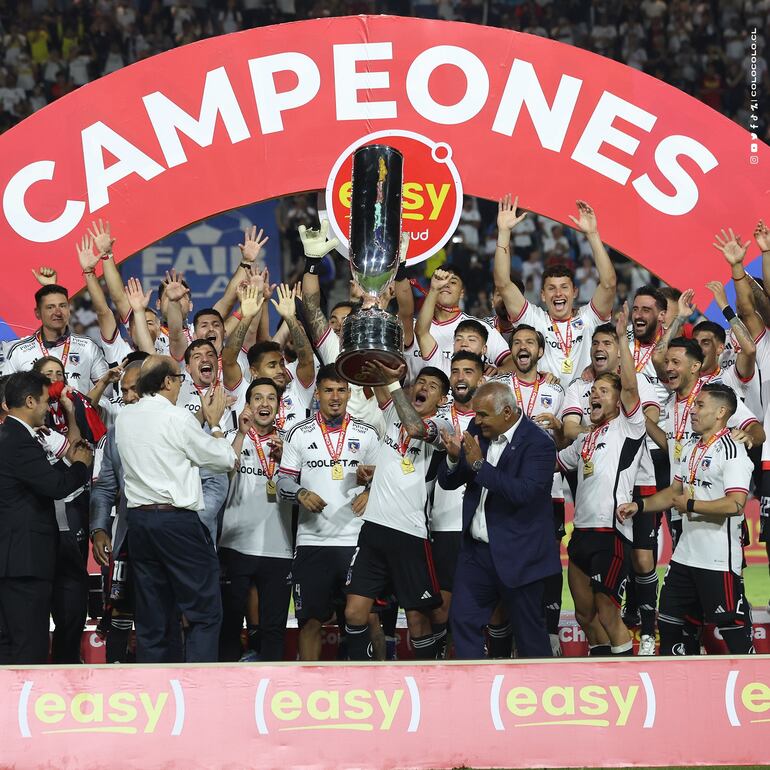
603, 556
318, 575
445, 547
702, 595
645, 524
388, 557
559, 518
119, 588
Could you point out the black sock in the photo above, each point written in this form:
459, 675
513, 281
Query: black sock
672, 637
253, 638
552, 587
738, 639
647, 596
116, 647
599, 650
691, 638
441, 639
499, 641
631, 599
358, 645
424, 647
627, 648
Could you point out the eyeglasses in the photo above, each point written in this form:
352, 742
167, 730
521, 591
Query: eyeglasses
180, 376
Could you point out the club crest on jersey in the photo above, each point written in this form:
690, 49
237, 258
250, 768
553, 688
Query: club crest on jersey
287, 401
706, 463
354, 445
74, 358
546, 401
577, 323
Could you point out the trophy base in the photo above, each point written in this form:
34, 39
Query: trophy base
369, 335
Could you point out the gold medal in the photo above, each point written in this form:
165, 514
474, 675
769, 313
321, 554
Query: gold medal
691, 490
566, 365
271, 491
407, 466
588, 468
337, 473
678, 450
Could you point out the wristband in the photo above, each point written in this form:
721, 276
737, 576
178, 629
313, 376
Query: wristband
394, 386
312, 265
639, 505
728, 313
506, 249
245, 265
88, 272
690, 505
739, 279
106, 255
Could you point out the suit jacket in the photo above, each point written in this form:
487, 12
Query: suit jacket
108, 488
29, 485
518, 507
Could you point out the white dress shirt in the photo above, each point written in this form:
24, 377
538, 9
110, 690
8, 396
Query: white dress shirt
161, 447
494, 453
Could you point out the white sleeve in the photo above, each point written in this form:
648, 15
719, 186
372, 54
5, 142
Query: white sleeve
742, 418
291, 461
201, 449
98, 364
116, 349
371, 449
633, 423
737, 472
569, 457
647, 393
497, 348
328, 347
571, 403
532, 315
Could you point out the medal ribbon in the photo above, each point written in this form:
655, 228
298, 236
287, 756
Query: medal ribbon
641, 358
46, 352
404, 439
333, 453
533, 395
281, 416
590, 442
267, 466
680, 426
695, 458
564, 346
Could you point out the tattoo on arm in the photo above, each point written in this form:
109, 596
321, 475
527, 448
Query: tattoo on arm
315, 317
235, 341
671, 333
411, 421
300, 341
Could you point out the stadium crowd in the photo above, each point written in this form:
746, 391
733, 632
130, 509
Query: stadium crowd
219, 470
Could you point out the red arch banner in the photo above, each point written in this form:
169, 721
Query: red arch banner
267, 112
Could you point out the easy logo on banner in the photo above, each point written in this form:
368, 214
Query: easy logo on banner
254, 115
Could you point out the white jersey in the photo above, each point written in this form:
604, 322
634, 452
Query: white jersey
711, 472
573, 335
535, 398
116, 349
443, 332
294, 405
190, 398
308, 461
446, 510
56, 445
82, 359
578, 402
360, 406
254, 523
405, 476
763, 369
504, 327
754, 394
607, 461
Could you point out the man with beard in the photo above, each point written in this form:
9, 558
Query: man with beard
319, 470
439, 334
393, 550
446, 511
255, 547
500, 320
566, 332
576, 415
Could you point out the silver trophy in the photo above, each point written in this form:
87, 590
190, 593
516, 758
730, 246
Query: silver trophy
372, 334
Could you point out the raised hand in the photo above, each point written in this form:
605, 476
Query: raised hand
507, 218
103, 239
452, 444
731, 247
276, 448
315, 242
86, 256
213, 404
439, 279
586, 221
720, 296
686, 308
267, 287
377, 370
137, 298
285, 306
250, 297
762, 236
621, 322
175, 290
252, 244
356, 292
45, 276
472, 448
246, 420
65, 399
112, 375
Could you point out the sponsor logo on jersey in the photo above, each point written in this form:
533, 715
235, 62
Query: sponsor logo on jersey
609, 701
390, 708
125, 712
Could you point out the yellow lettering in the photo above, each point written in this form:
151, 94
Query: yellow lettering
624, 704
153, 710
95, 711
286, 705
596, 704
388, 708
50, 708
332, 697
360, 708
567, 695
437, 201
756, 697
521, 702
344, 194
412, 201
122, 705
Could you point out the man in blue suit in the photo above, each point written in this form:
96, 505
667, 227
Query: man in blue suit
507, 547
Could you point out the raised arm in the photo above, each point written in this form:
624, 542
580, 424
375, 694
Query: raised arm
287, 309
316, 245
425, 340
251, 300
88, 261
685, 310
175, 290
747, 356
507, 219
139, 301
250, 249
392, 391
404, 294
103, 241
629, 390
604, 296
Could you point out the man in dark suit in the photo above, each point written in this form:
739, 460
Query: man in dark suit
29, 534
507, 547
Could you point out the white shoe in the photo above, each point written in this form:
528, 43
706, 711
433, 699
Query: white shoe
646, 645
555, 645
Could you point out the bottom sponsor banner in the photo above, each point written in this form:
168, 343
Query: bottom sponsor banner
520, 714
